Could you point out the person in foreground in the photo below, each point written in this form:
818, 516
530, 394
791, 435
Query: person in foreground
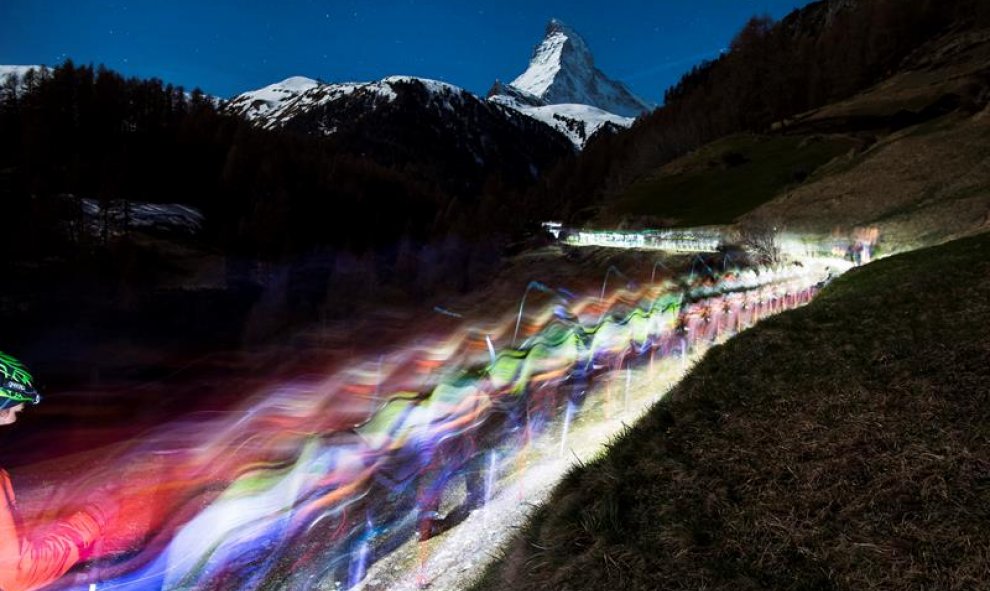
29, 560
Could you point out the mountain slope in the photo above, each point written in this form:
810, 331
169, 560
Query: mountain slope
563, 88
562, 70
446, 134
578, 122
818, 55
907, 157
266, 103
922, 173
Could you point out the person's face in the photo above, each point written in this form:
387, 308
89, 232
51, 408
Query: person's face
9, 415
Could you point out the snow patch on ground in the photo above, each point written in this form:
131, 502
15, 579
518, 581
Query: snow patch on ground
140, 215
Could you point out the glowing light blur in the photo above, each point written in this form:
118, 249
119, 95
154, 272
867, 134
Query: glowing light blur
315, 480
672, 240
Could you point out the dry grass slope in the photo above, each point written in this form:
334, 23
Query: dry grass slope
909, 156
726, 178
843, 445
919, 187
922, 183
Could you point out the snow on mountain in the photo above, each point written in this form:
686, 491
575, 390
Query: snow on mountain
450, 136
274, 105
563, 88
562, 70
577, 122
18, 73
433, 86
271, 99
273, 95
510, 95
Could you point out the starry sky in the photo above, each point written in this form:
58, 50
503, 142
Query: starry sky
230, 46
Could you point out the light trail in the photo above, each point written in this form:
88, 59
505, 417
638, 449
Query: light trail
316, 481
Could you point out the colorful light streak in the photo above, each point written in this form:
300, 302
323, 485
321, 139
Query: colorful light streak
317, 480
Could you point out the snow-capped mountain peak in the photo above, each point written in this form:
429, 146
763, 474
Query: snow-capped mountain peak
561, 47
563, 88
445, 133
274, 97
296, 83
276, 104
562, 70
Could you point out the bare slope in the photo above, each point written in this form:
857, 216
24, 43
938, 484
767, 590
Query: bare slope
909, 156
920, 186
725, 179
839, 446
927, 176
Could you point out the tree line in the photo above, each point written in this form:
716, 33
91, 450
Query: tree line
84, 132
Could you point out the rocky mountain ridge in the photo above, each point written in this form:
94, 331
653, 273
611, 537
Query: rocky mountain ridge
444, 131
562, 71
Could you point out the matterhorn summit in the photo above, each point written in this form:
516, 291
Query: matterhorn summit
563, 88
563, 70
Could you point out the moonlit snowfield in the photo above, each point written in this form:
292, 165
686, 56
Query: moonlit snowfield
411, 467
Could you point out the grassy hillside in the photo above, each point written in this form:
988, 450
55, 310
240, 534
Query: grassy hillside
728, 178
925, 177
921, 186
839, 446
908, 156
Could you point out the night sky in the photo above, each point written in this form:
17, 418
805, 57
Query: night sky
226, 47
